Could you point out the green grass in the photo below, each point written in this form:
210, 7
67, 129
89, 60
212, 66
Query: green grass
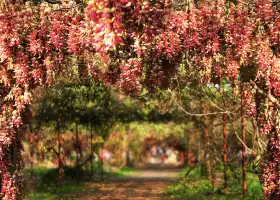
197, 187
126, 171
46, 187
55, 192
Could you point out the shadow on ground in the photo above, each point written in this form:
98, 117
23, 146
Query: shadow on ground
150, 183
141, 184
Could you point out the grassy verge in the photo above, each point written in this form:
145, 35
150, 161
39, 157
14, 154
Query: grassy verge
197, 187
124, 172
55, 192
46, 187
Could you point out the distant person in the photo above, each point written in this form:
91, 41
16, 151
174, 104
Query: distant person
164, 150
154, 151
163, 157
105, 154
167, 151
159, 150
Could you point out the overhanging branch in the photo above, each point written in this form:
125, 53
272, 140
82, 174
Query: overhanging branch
198, 114
269, 96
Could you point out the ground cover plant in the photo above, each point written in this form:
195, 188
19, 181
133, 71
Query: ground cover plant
196, 186
47, 188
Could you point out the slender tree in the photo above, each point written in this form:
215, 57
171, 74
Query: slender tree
243, 131
225, 152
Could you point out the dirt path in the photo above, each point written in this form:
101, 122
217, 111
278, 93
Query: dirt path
141, 185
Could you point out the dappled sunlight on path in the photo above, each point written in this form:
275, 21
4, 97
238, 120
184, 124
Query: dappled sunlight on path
140, 185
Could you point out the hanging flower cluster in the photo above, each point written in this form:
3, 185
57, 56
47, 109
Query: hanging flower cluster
130, 76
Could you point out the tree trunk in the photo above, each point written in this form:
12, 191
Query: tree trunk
101, 160
91, 151
77, 152
201, 154
187, 148
31, 151
39, 152
207, 157
125, 149
243, 130
60, 164
225, 151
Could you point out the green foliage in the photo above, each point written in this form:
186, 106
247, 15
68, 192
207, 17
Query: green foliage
195, 186
123, 172
82, 103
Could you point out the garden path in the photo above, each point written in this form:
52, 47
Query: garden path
143, 184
